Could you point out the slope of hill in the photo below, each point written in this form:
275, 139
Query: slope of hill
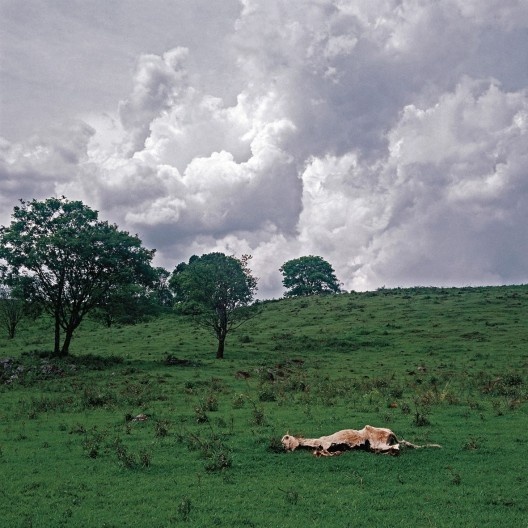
142, 426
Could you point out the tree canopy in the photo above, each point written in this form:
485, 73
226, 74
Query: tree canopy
308, 275
217, 290
70, 259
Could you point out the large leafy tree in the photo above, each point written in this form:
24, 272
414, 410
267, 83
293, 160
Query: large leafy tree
308, 276
217, 290
70, 260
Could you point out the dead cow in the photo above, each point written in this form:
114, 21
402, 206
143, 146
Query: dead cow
374, 439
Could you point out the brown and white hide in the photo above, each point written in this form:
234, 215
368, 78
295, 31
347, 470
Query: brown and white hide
374, 439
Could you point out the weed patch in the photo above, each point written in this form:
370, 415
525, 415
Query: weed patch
184, 509
212, 448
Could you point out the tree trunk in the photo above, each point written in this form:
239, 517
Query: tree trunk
73, 323
11, 329
67, 340
221, 345
56, 348
221, 330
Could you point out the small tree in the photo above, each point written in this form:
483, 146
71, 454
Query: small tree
12, 309
131, 303
70, 259
217, 290
160, 289
308, 276
126, 304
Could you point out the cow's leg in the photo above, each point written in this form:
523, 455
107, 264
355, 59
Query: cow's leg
321, 452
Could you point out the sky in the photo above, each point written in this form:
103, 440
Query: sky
389, 137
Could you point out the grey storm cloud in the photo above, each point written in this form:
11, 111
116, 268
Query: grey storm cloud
388, 137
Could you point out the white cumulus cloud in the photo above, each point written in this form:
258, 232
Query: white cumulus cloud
388, 137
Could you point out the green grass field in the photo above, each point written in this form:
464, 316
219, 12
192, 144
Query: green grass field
448, 366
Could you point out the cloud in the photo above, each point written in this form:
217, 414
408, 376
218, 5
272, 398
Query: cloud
446, 205
39, 166
386, 136
64, 60
159, 85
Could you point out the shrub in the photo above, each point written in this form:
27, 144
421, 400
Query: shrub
219, 460
144, 458
210, 403
91, 397
238, 401
213, 449
275, 445
421, 419
200, 415
125, 458
267, 394
184, 509
258, 416
161, 428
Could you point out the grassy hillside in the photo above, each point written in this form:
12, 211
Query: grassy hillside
448, 366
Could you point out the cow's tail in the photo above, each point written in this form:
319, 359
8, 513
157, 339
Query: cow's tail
404, 443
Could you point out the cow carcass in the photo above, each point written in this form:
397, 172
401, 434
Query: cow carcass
373, 439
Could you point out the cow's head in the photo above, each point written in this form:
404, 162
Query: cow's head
290, 442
